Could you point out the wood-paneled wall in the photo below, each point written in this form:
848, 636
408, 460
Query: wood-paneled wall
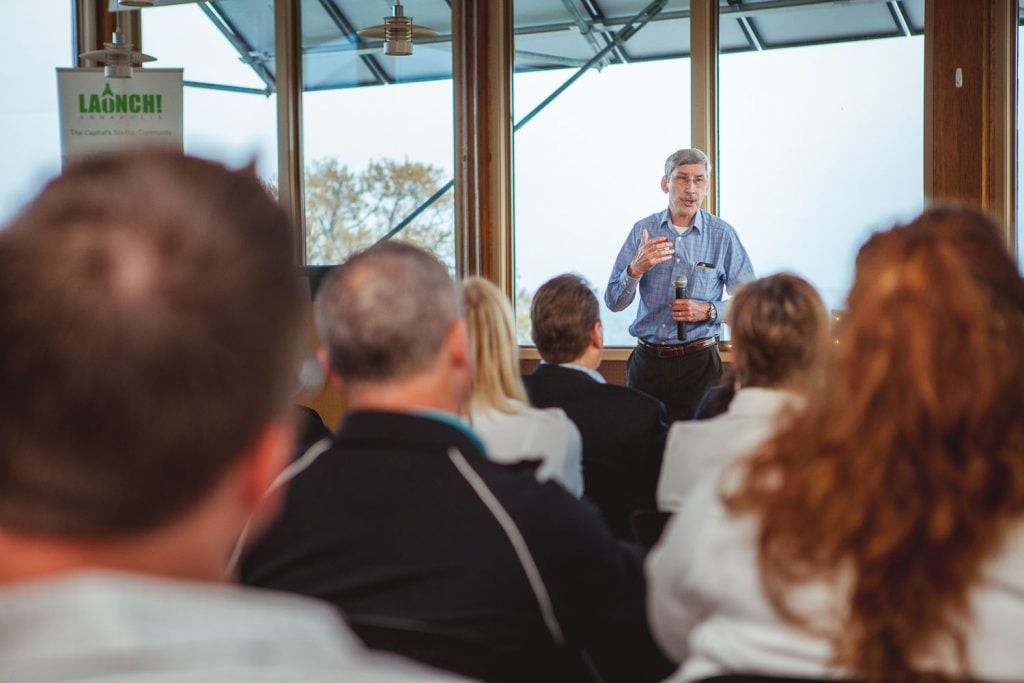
969, 145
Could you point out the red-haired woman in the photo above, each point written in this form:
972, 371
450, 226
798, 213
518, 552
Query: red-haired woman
881, 534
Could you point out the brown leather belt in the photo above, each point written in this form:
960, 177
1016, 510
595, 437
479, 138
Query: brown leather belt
678, 349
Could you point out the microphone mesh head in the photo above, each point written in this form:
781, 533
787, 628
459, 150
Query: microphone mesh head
681, 281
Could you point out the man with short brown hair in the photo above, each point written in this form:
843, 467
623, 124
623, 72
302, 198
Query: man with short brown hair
623, 430
565, 319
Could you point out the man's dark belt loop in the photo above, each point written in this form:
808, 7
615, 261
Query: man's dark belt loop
678, 349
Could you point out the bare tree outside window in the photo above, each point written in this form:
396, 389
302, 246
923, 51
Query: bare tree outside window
348, 210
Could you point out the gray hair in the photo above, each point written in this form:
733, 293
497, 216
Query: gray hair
686, 157
384, 313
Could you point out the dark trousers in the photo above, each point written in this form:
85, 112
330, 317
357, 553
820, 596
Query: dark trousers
678, 382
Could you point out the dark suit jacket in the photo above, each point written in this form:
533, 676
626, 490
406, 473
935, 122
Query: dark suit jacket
384, 524
623, 434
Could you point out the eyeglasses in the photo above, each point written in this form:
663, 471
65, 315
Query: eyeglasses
685, 180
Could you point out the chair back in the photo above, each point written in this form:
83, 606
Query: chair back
647, 526
761, 678
469, 654
758, 678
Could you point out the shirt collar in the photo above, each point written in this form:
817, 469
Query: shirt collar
698, 221
453, 421
590, 372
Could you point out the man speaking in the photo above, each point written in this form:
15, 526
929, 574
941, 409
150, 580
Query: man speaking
685, 251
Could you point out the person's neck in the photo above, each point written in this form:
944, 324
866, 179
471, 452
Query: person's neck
591, 358
681, 221
179, 551
422, 392
44, 558
799, 384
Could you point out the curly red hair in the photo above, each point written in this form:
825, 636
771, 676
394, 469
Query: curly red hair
908, 469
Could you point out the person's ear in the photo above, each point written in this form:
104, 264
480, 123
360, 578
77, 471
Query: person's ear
597, 336
458, 344
460, 362
256, 503
265, 458
323, 357
664, 184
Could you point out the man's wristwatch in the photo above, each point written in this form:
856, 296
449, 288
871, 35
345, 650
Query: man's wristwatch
712, 312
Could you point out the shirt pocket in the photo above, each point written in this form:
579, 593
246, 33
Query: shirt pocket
706, 284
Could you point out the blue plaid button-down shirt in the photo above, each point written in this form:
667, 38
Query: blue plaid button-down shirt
709, 254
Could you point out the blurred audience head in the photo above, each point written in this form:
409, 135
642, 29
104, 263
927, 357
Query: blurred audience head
148, 341
492, 343
565, 319
390, 314
780, 332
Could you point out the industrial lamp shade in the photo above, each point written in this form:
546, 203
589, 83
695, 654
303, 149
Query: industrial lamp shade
118, 57
398, 32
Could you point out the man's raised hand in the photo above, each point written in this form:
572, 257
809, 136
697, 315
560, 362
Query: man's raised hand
651, 253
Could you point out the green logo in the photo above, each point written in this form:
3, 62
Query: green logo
109, 103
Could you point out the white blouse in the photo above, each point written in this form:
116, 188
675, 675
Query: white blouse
542, 433
697, 449
708, 609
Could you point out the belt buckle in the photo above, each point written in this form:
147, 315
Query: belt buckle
664, 351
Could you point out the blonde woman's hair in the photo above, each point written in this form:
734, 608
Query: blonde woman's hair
492, 340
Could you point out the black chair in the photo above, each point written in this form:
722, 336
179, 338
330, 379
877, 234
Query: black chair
310, 427
469, 654
647, 526
760, 678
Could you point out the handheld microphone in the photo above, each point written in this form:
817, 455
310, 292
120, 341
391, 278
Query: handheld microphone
681, 294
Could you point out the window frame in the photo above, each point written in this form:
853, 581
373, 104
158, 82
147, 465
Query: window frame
482, 73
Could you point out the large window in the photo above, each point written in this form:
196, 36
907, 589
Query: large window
378, 133
589, 165
34, 40
819, 145
228, 114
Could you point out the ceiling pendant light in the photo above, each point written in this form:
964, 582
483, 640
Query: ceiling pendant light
398, 32
117, 56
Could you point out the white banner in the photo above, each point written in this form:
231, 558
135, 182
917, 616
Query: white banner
99, 113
